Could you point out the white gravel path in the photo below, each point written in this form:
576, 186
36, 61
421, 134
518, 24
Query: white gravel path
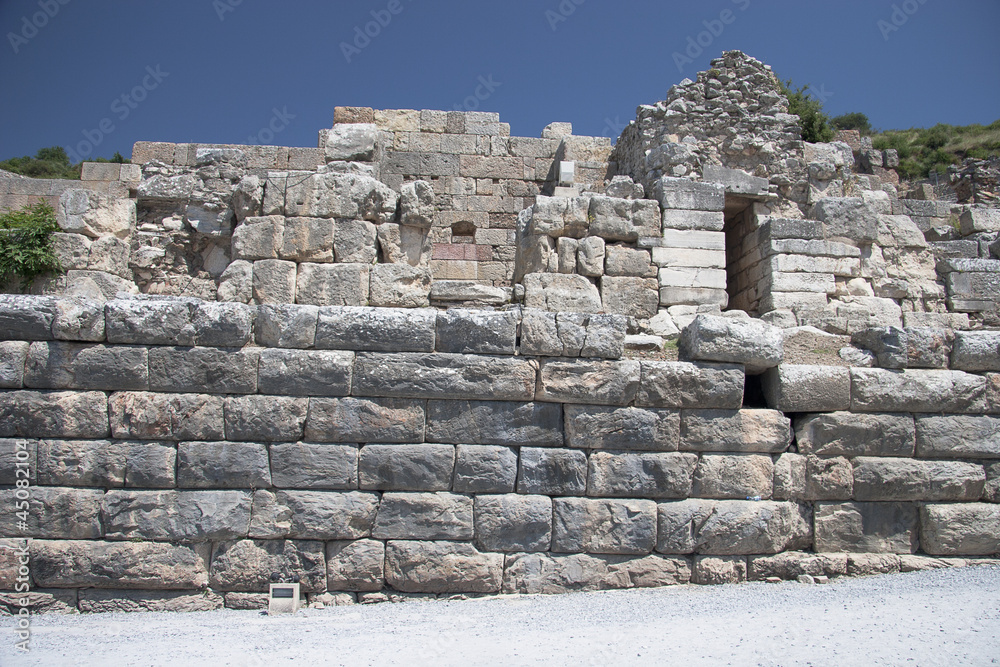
942, 617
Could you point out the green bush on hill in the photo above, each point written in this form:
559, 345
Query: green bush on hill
26, 250
52, 162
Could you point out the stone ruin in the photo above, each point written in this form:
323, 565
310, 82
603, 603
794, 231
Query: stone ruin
429, 358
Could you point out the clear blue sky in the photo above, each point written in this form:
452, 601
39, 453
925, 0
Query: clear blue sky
226, 66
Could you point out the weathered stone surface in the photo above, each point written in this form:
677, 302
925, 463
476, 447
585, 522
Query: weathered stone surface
26, 317
350, 141
681, 384
803, 388
595, 382
572, 334
416, 204
305, 372
424, 516
376, 329
441, 567
236, 282
79, 319
126, 565
300, 465
600, 427
286, 325
95, 215
332, 284
789, 477
847, 217
513, 522
225, 465
623, 219
976, 351
274, 281
552, 471
54, 414
258, 238
79, 463
54, 512
866, 527
265, 418
415, 375
148, 416
495, 423
150, 465
463, 292
978, 219
681, 193
928, 347
329, 515
953, 436
634, 297
269, 519
400, 286
40, 601
622, 261
991, 492
203, 369
603, 526
101, 601
406, 467
354, 242
14, 451
13, 355
196, 516
755, 344
357, 565
60, 365
855, 434
485, 469
747, 430
890, 345
971, 529
463, 331
641, 474
561, 293
535, 573
879, 390
365, 420
733, 476
791, 564
828, 478
307, 240
864, 565
732, 527
340, 195
248, 565
718, 570
187, 322
902, 479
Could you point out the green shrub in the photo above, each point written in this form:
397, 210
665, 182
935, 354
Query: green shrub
26, 244
815, 124
853, 121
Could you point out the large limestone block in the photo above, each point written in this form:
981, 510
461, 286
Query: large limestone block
68, 462
535, 573
376, 329
513, 522
95, 215
259, 238
622, 261
681, 384
331, 284
866, 527
265, 418
905, 479
485, 469
641, 474
25, 317
148, 416
350, 141
400, 286
61, 365
954, 436
681, 193
274, 281
495, 423
623, 219
248, 565
358, 565
806, 388
82, 319
416, 205
847, 217
791, 564
365, 420
828, 479
748, 430
719, 570
856, 434
203, 369
554, 472
340, 195
286, 325
54, 414
559, 216
971, 529
755, 344
416, 375
301, 465
178, 322
732, 527
789, 477
733, 476
441, 567
561, 293
882, 390
354, 242
93, 601
463, 331
424, 516
213, 465
601, 427
406, 467
236, 282
128, 565
634, 297
603, 526
978, 219
976, 351
306, 240
195, 516
329, 515
54, 512
269, 519
305, 372
548, 334
583, 381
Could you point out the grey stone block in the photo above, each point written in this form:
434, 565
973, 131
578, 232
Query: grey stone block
733, 476
928, 347
572, 334
593, 382
22, 454
805, 388
971, 529
354, 242
80, 319
561, 293
747, 430
424, 516
557, 472
495, 423
81, 463
178, 322
535, 573
681, 384
952, 436
732, 527
856, 434
879, 390
376, 329
248, 565
265, 418
719, 570
416, 375
274, 281
603, 526
358, 565
632, 297
122, 565
94, 601
149, 416
513, 522
903, 479
755, 344
890, 345
300, 465
847, 217
203, 369
365, 420
828, 479
789, 477
25, 317
485, 469
13, 355
689, 195
150, 465
61, 365
441, 567
54, 414
195, 516
305, 372
400, 286
222, 465
307, 240
976, 351
286, 325
790, 565
477, 331
328, 515
54, 512
331, 285
406, 467
601, 427
640, 474
622, 261
866, 527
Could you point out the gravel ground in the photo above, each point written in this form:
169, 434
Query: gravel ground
942, 617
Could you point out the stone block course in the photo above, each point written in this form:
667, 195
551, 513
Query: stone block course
55, 512
56, 414
604, 427
883, 390
328, 515
414, 375
305, 372
424, 516
626, 527
464, 331
301, 465
406, 467
441, 567
747, 430
126, 565
495, 423
640, 474
176, 515
667, 384
971, 529
554, 472
807, 388
853, 434
484, 469
376, 329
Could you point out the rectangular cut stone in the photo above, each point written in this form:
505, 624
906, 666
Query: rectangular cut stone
13, 355
495, 423
25, 317
215, 465
806, 388
358, 565
406, 467
23, 451
328, 515
699, 240
286, 325
855, 434
79, 463
848, 267
811, 248
595, 382
54, 512
538, 573
754, 343
733, 476
305, 372
971, 529
513, 522
678, 257
552, 472
976, 351
732, 527
710, 221
866, 527
178, 322
328, 285
441, 567
149, 416
692, 278
640, 474
747, 430
883, 390
953, 436
265, 418
93, 601
416, 375
681, 384
821, 283
300, 465
600, 427
791, 564
127, 565
693, 296
249, 565
463, 331
54, 414
424, 516
376, 329
194, 516
485, 469
203, 369
683, 193
365, 420
603, 526
901, 479
60, 365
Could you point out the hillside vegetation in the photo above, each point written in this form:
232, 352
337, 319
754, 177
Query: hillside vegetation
52, 162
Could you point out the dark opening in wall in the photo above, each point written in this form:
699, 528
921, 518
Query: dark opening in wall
741, 283
463, 232
753, 392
